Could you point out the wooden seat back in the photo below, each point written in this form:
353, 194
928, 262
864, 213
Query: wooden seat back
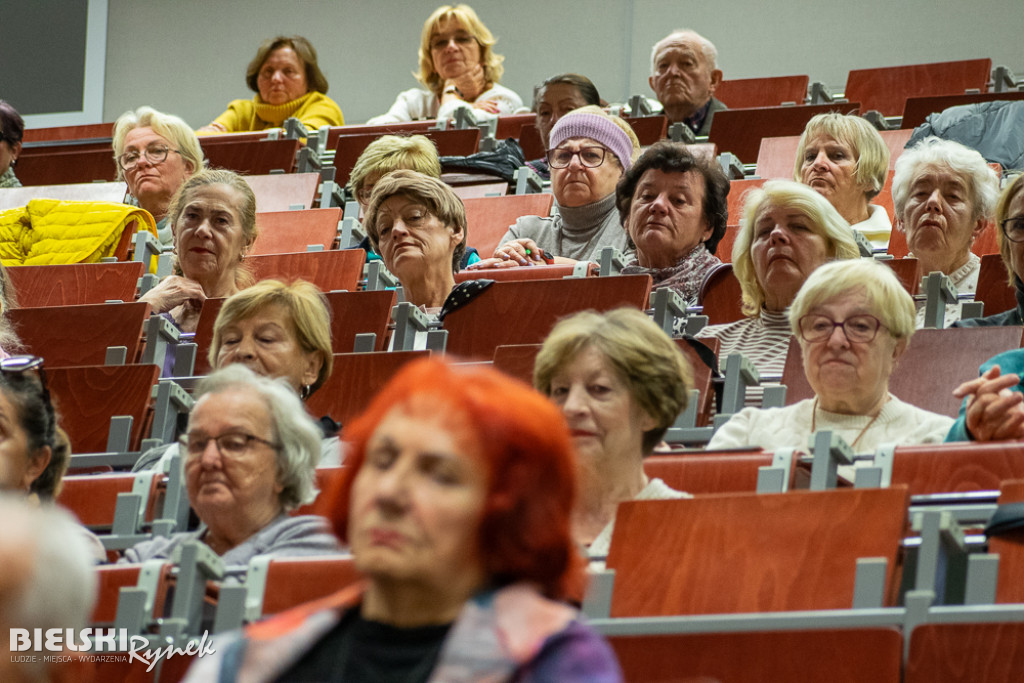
853, 655
282, 232
78, 132
529, 140
62, 167
524, 312
935, 362
957, 467
252, 157
648, 129
93, 497
293, 581
750, 552
330, 270
886, 89
721, 296
708, 472
917, 109
80, 335
770, 91
349, 146
88, 396
75, 283
975, 652
284, 191
740, 130
994, 286
357, 377
489, 218
1010, 547
509, 126
110, 580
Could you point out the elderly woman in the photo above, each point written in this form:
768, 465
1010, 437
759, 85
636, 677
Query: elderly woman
943, 194
250, 455
590, 150
155, 153
213, 219
390, 153
843, 158
288, 83
458, 68
1009, 220
12, 128
620, 382
787, 232
276, 330
854, 320
553, 99
457, 505
674, 209
418, 225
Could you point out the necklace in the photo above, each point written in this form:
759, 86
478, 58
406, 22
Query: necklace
814, 418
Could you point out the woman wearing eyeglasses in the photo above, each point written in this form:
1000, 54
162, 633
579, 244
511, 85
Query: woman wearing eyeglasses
155, 153
854, 320
250, 455
590, 150
1009, 219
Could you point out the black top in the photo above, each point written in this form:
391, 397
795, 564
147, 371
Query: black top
361, 650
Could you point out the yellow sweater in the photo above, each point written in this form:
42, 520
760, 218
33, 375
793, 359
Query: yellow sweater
49, 231
314, 109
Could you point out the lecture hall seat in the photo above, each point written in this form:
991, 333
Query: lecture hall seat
76, 283
489, 218
357, 377
886, 89
1010, 547
750, 552
770, 91
281, 232
80, 335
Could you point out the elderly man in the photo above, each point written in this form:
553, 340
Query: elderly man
943, 194
47, 582
684, 75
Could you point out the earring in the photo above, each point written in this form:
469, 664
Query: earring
305, 391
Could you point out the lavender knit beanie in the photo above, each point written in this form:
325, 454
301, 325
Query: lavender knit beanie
595, 127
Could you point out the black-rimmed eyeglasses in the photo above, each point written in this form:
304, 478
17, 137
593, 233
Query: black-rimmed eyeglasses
591, 157
1013, 228
857, 328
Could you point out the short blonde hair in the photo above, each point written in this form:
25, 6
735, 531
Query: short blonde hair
647, 360
391, 152
439, 199
889, 300
1015, 187
307, 309
465, 15
872, 165
826, 220
168, 126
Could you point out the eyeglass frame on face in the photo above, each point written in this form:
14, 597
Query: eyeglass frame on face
184, 442
577, 153
846, 332
1019, 220
19, 365
154, 159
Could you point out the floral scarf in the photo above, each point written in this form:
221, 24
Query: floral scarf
685, 277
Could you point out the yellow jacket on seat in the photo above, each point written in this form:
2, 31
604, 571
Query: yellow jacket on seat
50, 231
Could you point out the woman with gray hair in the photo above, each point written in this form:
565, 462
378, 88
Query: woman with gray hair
250, 455
418, 226
788, 230
620, 382
854, 320
843, 158
155, 153
943, 194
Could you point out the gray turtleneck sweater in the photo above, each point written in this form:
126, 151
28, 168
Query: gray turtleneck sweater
578, 232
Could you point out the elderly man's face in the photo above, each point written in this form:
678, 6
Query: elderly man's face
682, 78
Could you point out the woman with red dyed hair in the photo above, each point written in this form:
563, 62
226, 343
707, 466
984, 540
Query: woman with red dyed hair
457, 502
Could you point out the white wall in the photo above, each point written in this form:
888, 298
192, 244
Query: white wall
188, 57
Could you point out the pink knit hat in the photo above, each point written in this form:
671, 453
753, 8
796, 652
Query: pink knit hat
595, 127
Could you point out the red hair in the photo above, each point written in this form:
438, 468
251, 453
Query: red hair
527, 453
